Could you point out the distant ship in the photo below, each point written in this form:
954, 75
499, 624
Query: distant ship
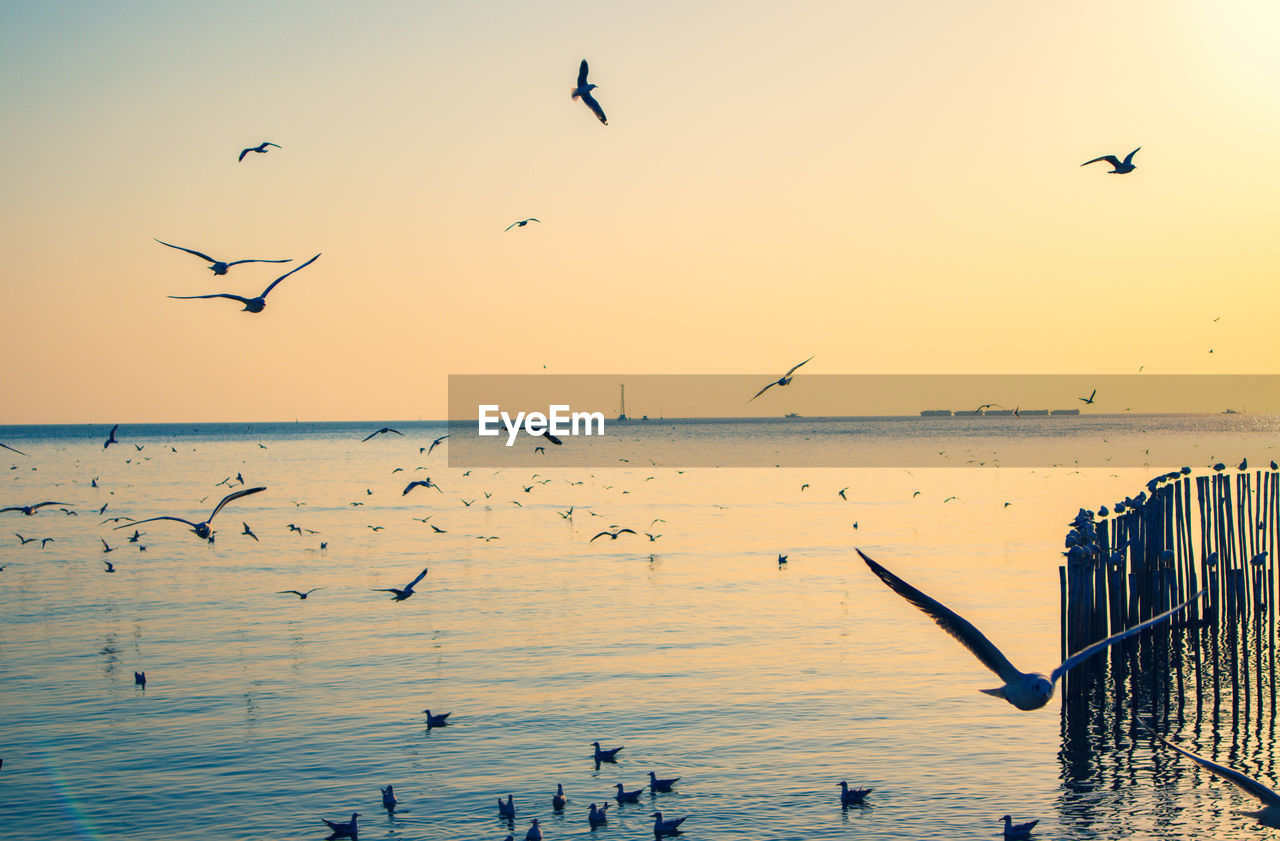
1231, 412
936, 413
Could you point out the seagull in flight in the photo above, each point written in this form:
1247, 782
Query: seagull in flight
382, 431
583, 92
249, 532
31, 509
613, 535
524, 222
261, 149
299, 593
435, 443
424, 483
1268, 815
401, 595
1088, 401
257, 304
200, 530
1118, 167
111, 437
218, 267
785, 379
1024, 690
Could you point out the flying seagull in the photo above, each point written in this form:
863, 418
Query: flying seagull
200, 530
613, 535
1088, 401
261, 149
1024, 690
583, 92
401, 595
435, 443
1268, 815
249, 532
299, 593
111, 437
31, 509
1117, 166
424, 483
785, 379
218, 267
524, 222
382, 431
257, 304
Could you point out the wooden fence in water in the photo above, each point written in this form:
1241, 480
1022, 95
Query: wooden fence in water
1216, 533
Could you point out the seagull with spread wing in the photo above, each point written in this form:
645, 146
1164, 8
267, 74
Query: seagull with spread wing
583, 92
201, 530
31, 509
785, 379
1268, 815
398, 595
524, 222
261, 149
257, 304
1024, 690
383, 431
219, 267
1118, 167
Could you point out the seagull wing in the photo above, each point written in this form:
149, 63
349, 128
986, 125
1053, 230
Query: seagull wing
793, 369
421, 576
763, 390
951, 622
582, 73
601, 534
1246, 783
267, 291
268, 143
595, 107
188, 250
244, 152
1111, 159
43, 504
227, 295
238, 262
625, 531
509, 227
1084, 654
1129, 157
152, 520
7, 447
232, 497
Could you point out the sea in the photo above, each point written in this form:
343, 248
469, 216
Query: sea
760, 685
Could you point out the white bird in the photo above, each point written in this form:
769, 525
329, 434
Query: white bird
785, 379
257, 304
1017, 830
200, 530
344, 830
661, 827
1024, 690
218, 267
583, 92
261, 148
1268, 815
1117, 166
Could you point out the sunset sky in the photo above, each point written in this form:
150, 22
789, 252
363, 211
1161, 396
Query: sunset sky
890, 187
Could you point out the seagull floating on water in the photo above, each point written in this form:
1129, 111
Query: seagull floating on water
534, 833
401, 595
583, 92
597, 816
343, 830
1024, 690
1118, 167
524, 222
436, 719
257, 304
785, 379
624, 796
507, 810
558, 801
200, 530
852, 796
656, 784
389, 799
219, 267
261, 149
601, 755
1017, 830
661, 827
140, 679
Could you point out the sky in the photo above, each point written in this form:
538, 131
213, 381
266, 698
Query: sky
888, 187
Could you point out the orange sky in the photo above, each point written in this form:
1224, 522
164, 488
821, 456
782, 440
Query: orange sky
894, 188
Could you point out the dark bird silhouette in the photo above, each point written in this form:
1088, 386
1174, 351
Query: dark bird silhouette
583, 92
1024, 690
1088, 401
31, 509
248, 531
261, 149
1268, 815
106, 548
421, 483
111, 437
140, 679
257, 304
389, 798
656, 784
603, 755
398, 595
23, 541
842, 496
110, 566
435, 443
524, 222
782, 559
1244, 464
785, 379
436, 529
558, 799
436, 719
219, 267
1118, 167
852, 796
553, 439
200, 530
624, 796
383, 431
347, 829
1017, 830
299, 593
613, 535
661, 827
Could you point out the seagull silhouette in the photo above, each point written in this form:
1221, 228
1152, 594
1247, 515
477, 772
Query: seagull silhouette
401, 595
31, 509
852, 796
248, 531
624, 796
1117, 166
424, 483
436, 719
524, 222
261, 149
218, 267
661, 827
605, 755
299, 593
1268, 815
785, 379
257, 304
382, 431
613, 535
111, 437
656, 784
435, 443
1017, 830
200, 530
1024, 690
1088, 401
583, 92
343, 830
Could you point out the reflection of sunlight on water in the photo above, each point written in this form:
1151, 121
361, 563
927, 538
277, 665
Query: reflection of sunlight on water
761, 687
